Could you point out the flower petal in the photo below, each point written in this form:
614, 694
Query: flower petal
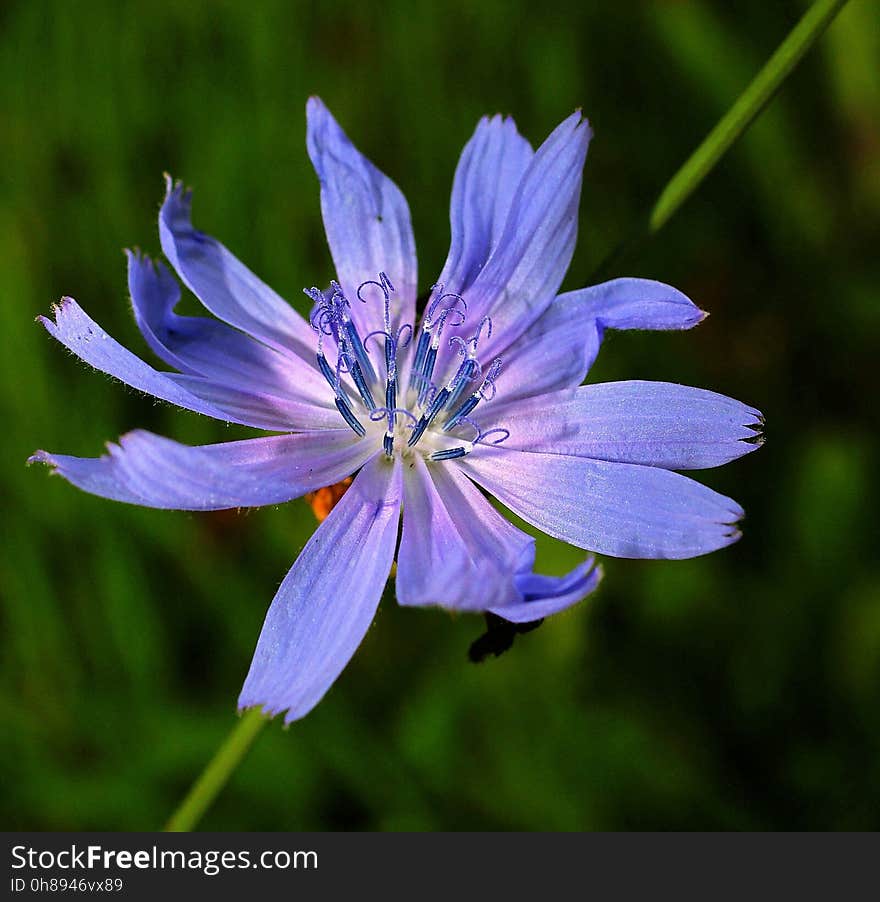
260, 409
526, 269
82, 335
638, 304
328, 599
559, 348
209, 348
456, 551
659, 424
224, 284
153, 471
546, 595
489, 171
366, 219
619, 509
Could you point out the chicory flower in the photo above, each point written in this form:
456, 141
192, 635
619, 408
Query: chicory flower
485, 391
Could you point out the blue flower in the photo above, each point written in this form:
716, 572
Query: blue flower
485, 392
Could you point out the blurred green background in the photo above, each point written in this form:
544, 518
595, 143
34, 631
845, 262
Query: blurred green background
735, 691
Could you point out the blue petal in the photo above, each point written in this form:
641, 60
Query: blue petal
366, 219
328, 599
659, 424
259, 409
489, 172
456, 551
619, 509
547, 595
637, 304
82, 335
558, 350
224, 284
529, 263
153, 471
209, 348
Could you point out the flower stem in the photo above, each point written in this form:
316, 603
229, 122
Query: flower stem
733, 124
217, 772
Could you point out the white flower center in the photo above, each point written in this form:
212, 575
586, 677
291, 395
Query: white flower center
425, 416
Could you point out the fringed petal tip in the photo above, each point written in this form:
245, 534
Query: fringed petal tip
51, 323
245, 706
150, 282
55, 461
579, 129
68, 323
585, 124
176, 209
42, 457
175, 188
757, 427
733, 532
578, 124
136, 255
503, 119
503, 122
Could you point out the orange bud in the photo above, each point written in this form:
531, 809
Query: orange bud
324, 500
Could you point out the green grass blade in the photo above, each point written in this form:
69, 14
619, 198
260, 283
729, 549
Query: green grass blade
217, 773
744, 111
735, 122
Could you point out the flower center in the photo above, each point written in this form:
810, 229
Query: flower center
427, 408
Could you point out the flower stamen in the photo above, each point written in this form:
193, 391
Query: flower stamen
477, 396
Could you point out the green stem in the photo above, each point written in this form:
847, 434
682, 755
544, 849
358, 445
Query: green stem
735, 121
217, 772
